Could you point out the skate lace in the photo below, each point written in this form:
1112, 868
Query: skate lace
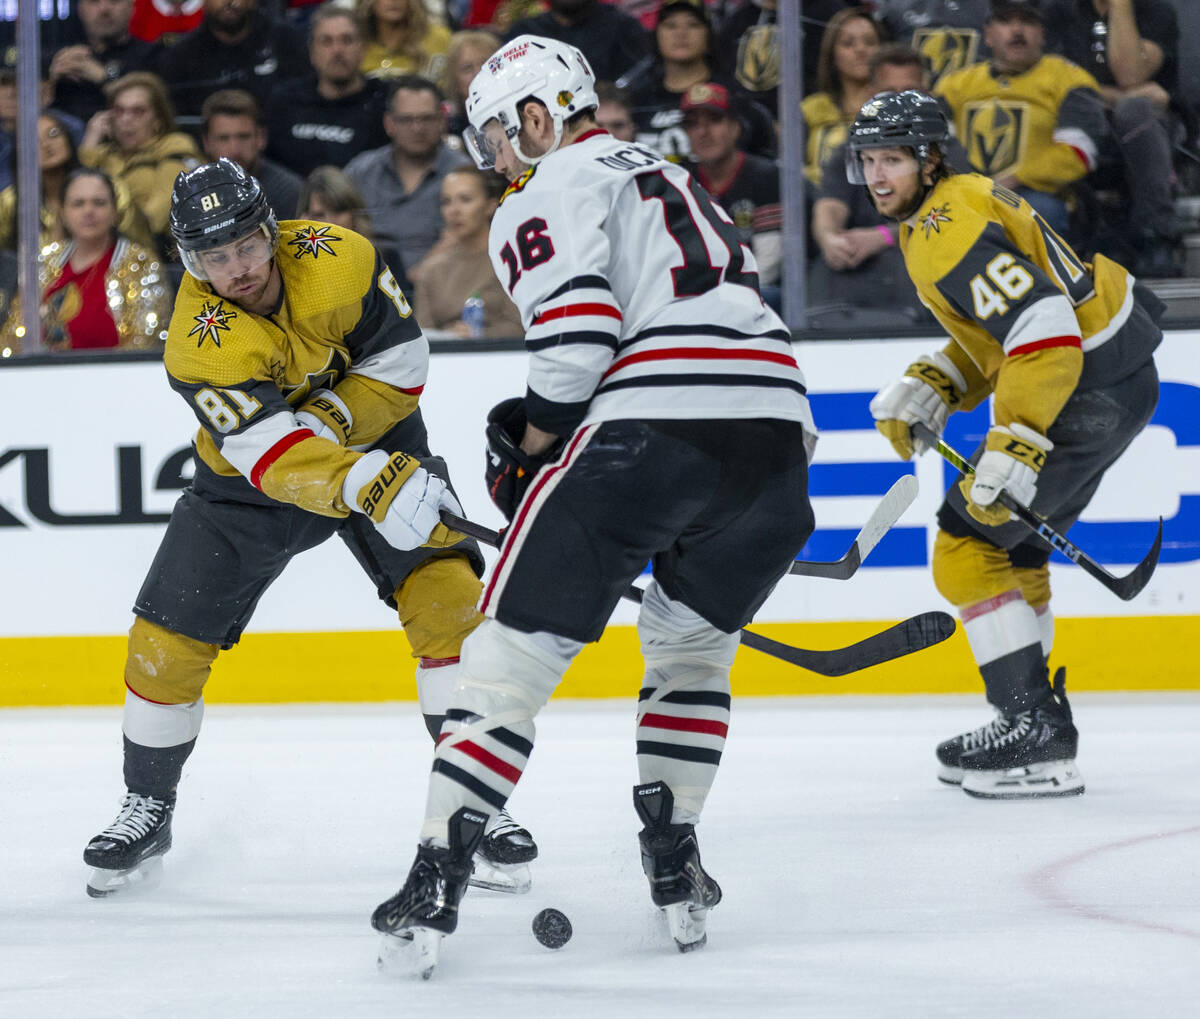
139, 814
980, 737
503, 824
1020, 728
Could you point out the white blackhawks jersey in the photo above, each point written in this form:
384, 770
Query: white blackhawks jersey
637, 296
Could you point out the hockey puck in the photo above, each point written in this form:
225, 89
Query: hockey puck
552, 928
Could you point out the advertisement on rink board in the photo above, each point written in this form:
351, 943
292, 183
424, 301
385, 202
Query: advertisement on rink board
93, 457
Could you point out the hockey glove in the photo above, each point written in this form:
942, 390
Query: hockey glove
508, 469
1011, 461
402, 499
931, 389
327, 416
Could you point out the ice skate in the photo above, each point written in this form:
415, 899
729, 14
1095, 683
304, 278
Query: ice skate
949, 752
503, 857
415, 919
128, 853
1034, 759
679, 884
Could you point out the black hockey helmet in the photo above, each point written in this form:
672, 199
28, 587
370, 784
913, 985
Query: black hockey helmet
909, 119
214, 204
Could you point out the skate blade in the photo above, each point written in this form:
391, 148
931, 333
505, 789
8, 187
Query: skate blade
513, 878
949, 775
1046, 780
412, 952
146, 875
686, 925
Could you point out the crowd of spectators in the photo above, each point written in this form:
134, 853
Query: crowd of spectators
350, 111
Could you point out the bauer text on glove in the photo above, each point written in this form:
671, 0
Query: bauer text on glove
402, 499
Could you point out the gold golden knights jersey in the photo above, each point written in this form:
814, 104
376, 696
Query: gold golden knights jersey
1045, 125
343, 331
825, 128
1028, 320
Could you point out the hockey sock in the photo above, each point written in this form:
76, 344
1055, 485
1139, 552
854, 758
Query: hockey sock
436, 679
1005, 638
158, 739
506, 677
683, 706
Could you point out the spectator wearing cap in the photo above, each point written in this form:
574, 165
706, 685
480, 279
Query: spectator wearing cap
232, 126
327, 119
235, 46
612, 41
684, 55
948, 34
402, 181
1031, 121
108, 51
745, 186
844, 80
614, 114
1131, 46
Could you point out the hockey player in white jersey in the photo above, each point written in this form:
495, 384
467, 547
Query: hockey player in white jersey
665, 420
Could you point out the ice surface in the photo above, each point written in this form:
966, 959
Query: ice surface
855, 884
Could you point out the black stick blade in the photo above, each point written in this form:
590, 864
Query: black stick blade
1130, 586
905, 638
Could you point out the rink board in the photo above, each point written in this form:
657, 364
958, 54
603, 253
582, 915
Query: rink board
92, 457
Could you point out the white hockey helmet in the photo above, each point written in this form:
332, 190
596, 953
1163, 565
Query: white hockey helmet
530, 67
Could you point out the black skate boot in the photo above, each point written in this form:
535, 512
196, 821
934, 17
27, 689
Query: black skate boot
425, 910
503, 857
949, 752
679, 884
1034, 759
130, 850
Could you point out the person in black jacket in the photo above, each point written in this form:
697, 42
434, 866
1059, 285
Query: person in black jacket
328, 119
235, 46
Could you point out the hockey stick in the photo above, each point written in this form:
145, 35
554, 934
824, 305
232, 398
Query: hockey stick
898, 498
913, 634
1125, 588
891, 507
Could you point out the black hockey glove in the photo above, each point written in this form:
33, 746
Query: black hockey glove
508, 469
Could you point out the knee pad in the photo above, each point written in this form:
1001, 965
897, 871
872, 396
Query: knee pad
165, 667
671, 632
436, 604
506, 670
967, 570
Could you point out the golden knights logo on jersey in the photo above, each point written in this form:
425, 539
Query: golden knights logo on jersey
312, 240
944, 50
757, 67
211, 320
933, 219
996, 134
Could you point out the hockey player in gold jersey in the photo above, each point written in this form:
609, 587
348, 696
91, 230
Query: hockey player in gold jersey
1065, 350
299, 355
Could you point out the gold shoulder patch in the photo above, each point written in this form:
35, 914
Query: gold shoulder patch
313, 239
519, 183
